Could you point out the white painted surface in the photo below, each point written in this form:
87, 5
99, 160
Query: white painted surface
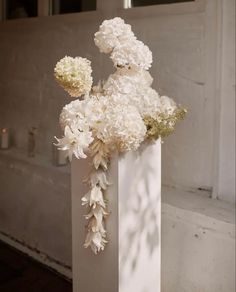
140, 220
198, 243
133, 227
226, 182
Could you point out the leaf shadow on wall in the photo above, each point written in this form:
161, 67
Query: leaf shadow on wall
139, 229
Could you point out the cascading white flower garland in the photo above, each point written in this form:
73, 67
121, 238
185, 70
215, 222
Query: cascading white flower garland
95, 199
116, 115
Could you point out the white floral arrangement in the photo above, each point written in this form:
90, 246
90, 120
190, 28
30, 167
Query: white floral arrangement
118, 114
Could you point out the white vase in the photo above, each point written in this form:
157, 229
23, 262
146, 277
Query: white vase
131, 259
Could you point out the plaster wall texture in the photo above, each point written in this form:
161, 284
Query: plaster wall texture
177, 43
35, 206
31, 97
198, 243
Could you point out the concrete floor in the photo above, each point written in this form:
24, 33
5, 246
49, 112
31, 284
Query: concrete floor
19, 273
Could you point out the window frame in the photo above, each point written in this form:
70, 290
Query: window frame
118, 7
162, 9
3, 12
44, 9
50, 4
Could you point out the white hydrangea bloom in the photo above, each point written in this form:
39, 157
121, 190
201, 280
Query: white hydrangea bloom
88, 110
150, 104
168, 105
132, 54
133, 88
122, 126
126, 81
112, 33
74, 75
69, 113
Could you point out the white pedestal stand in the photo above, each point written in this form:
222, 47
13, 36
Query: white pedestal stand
131, 260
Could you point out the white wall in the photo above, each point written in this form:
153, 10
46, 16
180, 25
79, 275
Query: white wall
35, 206
35, 202
29, 94
178, 70
198, 243
226, 183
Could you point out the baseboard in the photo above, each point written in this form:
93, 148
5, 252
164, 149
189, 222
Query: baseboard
44, 259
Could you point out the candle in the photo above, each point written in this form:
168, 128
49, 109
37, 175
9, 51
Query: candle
4, 138
59, 156
32, 141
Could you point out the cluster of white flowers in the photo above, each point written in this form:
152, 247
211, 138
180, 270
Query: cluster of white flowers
126, 81
121, 126
76, 140
74, 75
87, 112
168, 106
117, 114
113, 33
131, 87
133, 54
115, 37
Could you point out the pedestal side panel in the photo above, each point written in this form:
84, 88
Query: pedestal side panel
131, 260
94, 272
139, 220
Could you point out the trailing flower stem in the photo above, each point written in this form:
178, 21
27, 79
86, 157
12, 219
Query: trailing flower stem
95, 201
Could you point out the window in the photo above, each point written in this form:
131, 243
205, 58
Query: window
13, 9
135, 3
21, 8
72, 6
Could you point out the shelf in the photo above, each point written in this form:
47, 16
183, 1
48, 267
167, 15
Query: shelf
16, 156
198, 203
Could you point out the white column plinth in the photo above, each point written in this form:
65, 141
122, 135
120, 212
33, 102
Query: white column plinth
131, 259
